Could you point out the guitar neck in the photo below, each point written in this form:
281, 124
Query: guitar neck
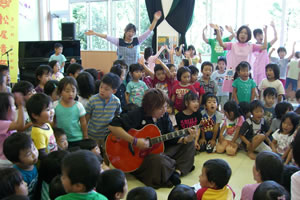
169, 136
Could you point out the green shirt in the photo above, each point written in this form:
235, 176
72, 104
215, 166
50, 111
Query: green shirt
216, 49
244, 89
82, 196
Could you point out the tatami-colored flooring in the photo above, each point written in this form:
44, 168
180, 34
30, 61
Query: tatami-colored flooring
240, 164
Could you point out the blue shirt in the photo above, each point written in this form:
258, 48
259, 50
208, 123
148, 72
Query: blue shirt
136, 91
101, 114
30, 177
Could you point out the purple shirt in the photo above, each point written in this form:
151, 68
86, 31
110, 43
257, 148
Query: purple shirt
248, 191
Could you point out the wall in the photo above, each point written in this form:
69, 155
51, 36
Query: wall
29, 20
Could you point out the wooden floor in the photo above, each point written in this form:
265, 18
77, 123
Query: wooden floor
240, 164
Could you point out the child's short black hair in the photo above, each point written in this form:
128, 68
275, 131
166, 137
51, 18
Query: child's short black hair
222, 58
194, 69
110, 182
191, 47
129, 107
256, 104
281, 108
50, 87
58, 132
296, 148
142, 193
297, 54
294, 119
14, 144
244, 108
122, 63
23, 87
57, 45
5, 104
267, 160
185, 62
281, 49
86, 85
112, 80
117, 69
87, 144
3, 68
52, 63
242, 65
207, 63
270, 92
66, 81
56, 188
93, 72
190, 96
83, 167
170, 65
270, 190
158, 67
148, 51
257, 31
217, 171
36, 104
275, 69
232, 106
51, 165
73, 68
182, 192
288, 171
16, 197
297, 94
41, 70
181, 71
135, 67
248, 33
9, 179
208, 95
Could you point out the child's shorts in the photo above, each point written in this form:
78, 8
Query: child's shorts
294, 83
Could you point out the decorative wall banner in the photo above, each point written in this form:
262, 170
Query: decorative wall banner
9, 13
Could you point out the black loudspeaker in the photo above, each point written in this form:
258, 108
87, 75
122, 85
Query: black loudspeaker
68, 31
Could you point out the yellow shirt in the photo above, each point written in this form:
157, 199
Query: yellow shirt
44, 138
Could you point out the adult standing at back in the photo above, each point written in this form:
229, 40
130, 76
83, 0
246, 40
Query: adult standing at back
128, 46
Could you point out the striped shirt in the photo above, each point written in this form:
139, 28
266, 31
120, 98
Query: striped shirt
101, 114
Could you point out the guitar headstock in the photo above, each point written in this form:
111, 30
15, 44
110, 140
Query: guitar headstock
207, 124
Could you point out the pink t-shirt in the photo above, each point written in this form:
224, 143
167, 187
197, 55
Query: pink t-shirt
248, 191
179, 92
4, 133
259, 60
237, 52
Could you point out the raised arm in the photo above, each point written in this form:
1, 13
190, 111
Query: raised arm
265, 45
270, 53
91, 32
204, 36
171, 54
293, 52
160, 51
157, 16
148, 71
168, 73
217, 28
275, 34
230, 30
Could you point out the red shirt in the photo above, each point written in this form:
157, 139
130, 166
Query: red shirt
179, 92
199, 88
165, 85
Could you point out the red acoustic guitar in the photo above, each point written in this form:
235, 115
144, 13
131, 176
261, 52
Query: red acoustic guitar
128, 158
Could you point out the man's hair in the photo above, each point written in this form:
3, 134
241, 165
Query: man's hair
73, 68
57, 45
142, 193
87, 144
41, 70
217, 171
36, 104
270, 92
267, 160
255, 104
14, 144
23, 87
182, 192
83, 167
206, 63
110, 182
153, 99
10, 178
111, 80
58, 132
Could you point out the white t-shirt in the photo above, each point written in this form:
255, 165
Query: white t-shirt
265, 83
295, 185
219, 79
283, 141
231, 127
